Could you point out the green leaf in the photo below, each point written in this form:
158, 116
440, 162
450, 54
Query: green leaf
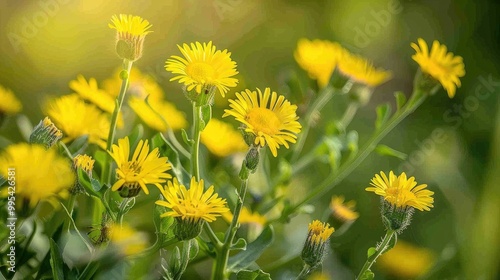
56, 262
136, 135
371, 251
91, 185
240, 244
168, 150
163, 225
331, 149
253, 275
400, 99
352, 141
100, 157
78, 145
205, 116
254, 250
384, 150
25, 126
185, 137
383, 114
367, 275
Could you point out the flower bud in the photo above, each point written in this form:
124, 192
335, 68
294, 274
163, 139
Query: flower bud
45, 133
186, 229
318, 235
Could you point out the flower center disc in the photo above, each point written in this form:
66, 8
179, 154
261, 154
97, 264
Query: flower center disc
200, 72
264, 120
399, 197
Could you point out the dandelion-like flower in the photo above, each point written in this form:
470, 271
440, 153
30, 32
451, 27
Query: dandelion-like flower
84, 162
362, 71
343, 211
131, 31
222, 139
127, 240
77, 118
89, 91
190, 207
45, 133
441, 65
203, 67
407, 261
270, 118
401, 191
158, 114
317, 237
40, 173
319, 58
9, 104
134, 172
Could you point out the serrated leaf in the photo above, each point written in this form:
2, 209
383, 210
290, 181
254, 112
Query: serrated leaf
56, 262
383, 114
254, 250
253, 275
240, 244
185, 138
371, 251
400, 99
384, 150
367, 275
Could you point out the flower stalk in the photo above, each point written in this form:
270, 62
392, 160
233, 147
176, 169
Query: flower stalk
381, 248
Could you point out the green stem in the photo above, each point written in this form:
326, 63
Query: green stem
213, 238
324, 96
121, 211
349, 114
379, 251
71, 205
175, 142
305, 271
195, 148
219, 272
334, 178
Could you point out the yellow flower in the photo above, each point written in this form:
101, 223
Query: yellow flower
91, 92
246, 217
440, 64
314, 247
319, 232
343, 211
401, 191
360, 70
76, 118
159, 114
85, 162
318, 58
131, 31
407, 261
135, 172
273, 124
9, 104
192, 204
221, 139
128, 240
140, 85
39, 173
203, 66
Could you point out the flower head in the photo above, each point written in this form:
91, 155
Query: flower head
317, 237
362, 71
128, 241
45, 133
190, 207
343, 211
270, 118
158, 114
77, 118
85, 162
89, 91
407, 261
402, 192
40, 173
203, 67
131, 31
318, 58
441, 65
134, 172
9, 104
222, 139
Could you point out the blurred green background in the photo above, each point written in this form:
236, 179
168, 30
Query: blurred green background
47, 43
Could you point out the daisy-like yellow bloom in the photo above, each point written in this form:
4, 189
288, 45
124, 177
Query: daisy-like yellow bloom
40, 173
203, 66
140, 85
128, 241
402, 192
85, 162
190, 207
9, 104
267, 116
131, 31
134, 172
319, 58
319, 232
343, 211
443, 66
407, 261
246, 217
89, 91
158, 114
222, 139
362, 71
77, 118
317, 238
